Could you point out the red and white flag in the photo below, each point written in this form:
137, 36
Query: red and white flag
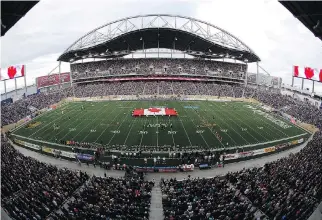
154, 111
308, 73
16, 71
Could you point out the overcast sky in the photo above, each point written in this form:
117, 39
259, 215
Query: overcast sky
267, 27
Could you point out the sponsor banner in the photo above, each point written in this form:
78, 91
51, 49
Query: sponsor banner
56, 152
230, 156
204, 165
85, 156
281, 146
160, 169
33, 146
51, 80
29, 145
294, 142
300, 141
68, 154
167, 169
19, 142
245, 154
259, 151
145, 169
27, 118
47, 150
186, 167
269, 149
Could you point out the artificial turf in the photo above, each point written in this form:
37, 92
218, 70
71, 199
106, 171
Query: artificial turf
199, 124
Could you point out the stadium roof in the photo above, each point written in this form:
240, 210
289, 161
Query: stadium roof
127, 35
308, 12
12, 11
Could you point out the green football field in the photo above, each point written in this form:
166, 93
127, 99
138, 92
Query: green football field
199, 124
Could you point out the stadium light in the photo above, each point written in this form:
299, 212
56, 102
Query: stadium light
175, 38
141, 38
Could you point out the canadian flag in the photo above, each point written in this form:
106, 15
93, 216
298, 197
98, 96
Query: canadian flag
154, 111
16, 71
307, 73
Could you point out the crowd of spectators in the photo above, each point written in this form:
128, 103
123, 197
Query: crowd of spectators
110, 198
157, 66
172, 88
31, 189
13, 112
289, 188
211, 199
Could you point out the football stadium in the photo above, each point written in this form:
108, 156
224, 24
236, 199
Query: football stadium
160, 117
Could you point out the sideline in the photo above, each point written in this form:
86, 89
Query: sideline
72, 165
231, 167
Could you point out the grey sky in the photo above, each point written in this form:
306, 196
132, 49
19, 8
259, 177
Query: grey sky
265, 26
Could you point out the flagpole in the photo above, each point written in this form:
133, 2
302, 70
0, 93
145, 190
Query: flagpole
25, 71
5, 87
16, 86
59, 68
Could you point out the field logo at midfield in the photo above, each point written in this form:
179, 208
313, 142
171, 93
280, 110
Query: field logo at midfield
155, 111
191, 107
33, 125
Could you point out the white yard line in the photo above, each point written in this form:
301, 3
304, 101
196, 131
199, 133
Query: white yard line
197, 128
259, 117
207, 127
99, 124
80, 112
87, 124
220, 126
46, 125
117, 128
144, 130
108, 126
246, 125
128, 134
174, 143
157, 131
185, 132
254, 129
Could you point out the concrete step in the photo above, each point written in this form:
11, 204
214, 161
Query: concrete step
156, 208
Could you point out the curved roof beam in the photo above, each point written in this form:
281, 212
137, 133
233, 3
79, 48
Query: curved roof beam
200, 28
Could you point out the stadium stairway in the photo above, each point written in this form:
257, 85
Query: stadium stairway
156, 208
